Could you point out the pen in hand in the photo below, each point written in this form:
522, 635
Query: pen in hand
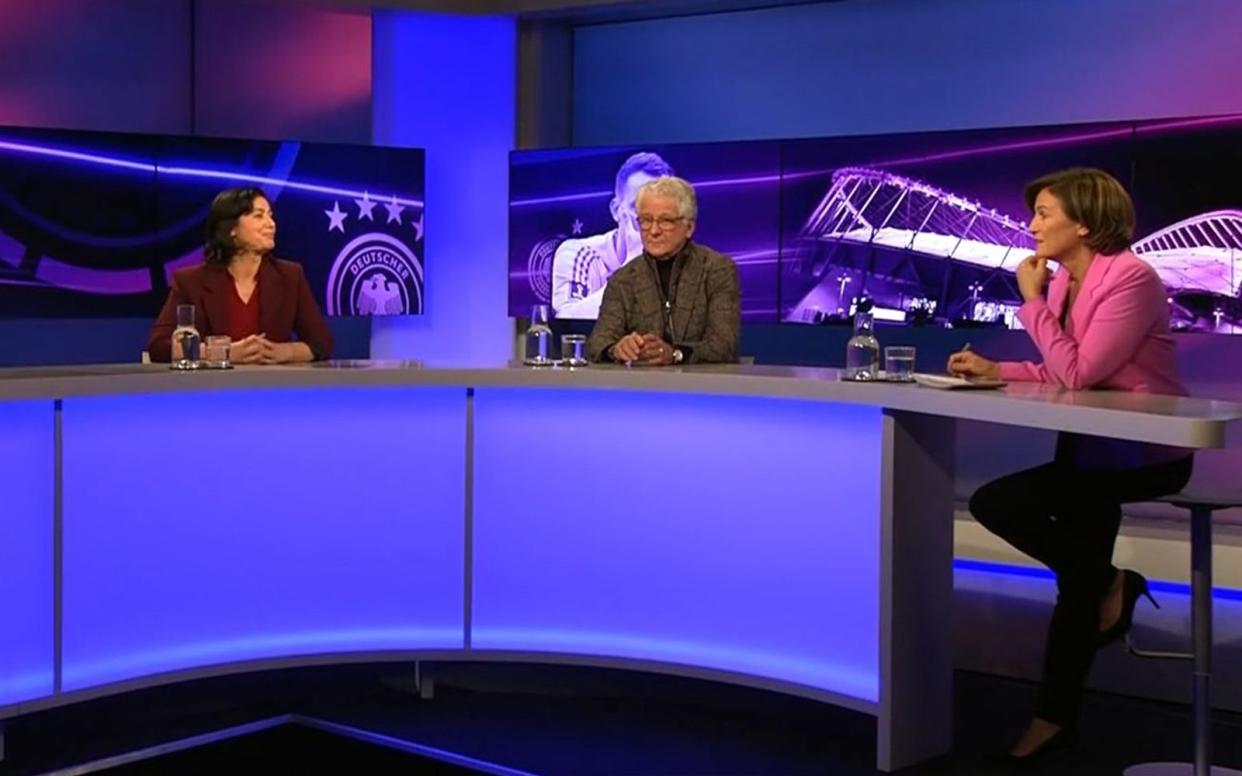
965, 349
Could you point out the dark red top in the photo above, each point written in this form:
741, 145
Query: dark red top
283, 303
243, 317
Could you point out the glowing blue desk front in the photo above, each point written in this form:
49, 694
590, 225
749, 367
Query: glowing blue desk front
213, 528
696, 531
767, 526
27, 574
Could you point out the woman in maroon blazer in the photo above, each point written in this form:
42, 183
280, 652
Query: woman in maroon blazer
241, 290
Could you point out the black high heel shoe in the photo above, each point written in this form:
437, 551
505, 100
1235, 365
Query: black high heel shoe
1133, 585
1063, 740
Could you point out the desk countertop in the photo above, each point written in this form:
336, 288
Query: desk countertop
1190, 422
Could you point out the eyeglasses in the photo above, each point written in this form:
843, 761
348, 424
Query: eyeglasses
664, 222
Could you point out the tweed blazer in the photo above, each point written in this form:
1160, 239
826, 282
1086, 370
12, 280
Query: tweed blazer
703, 314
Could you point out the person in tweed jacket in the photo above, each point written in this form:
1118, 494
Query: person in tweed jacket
679, 302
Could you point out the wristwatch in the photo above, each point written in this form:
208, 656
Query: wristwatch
678, 356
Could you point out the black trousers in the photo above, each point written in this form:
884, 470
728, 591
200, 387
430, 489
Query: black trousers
1067, 519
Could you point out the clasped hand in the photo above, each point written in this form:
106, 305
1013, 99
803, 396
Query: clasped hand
258, 349
647, 349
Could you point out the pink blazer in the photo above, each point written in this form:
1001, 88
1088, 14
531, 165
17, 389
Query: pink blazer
1117, 337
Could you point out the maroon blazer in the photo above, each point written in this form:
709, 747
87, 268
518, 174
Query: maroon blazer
286, 306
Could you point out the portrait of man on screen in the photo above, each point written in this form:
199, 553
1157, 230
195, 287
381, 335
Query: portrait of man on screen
582, 265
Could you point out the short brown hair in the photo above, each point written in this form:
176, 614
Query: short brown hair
1094, 199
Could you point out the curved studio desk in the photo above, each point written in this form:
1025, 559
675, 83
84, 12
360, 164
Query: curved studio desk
769, 526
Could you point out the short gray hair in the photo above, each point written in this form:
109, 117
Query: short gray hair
674, 188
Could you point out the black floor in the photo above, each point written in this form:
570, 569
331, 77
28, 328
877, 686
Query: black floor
571, 722
289, 748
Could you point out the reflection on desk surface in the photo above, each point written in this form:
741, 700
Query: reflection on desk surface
78, 370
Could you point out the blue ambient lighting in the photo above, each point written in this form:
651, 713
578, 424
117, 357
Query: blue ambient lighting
26, 513
207, 528
729, 533
1039, 572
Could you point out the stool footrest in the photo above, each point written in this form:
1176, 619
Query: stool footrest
1176, 769
1155, 654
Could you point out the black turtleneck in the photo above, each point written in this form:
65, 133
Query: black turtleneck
665, 268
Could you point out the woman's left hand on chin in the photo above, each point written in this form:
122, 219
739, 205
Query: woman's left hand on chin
1033, 274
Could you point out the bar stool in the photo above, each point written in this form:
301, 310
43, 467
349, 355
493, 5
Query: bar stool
1201, 503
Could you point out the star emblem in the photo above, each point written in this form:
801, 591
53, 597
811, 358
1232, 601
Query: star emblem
336, 217
418, 228
394, 210
577, 227
365, 206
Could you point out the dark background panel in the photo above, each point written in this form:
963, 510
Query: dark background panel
93, 224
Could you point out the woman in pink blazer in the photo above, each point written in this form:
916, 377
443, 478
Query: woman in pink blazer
1104, 324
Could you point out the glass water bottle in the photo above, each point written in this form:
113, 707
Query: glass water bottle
862, 352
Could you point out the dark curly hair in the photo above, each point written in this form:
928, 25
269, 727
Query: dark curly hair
228, 206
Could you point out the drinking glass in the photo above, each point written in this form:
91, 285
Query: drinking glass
573, 350
217, 351
899, 363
